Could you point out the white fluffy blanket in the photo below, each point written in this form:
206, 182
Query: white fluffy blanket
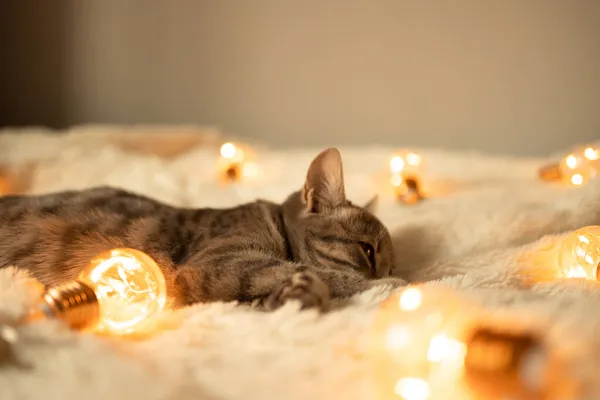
478, 233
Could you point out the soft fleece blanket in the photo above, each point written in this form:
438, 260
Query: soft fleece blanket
487, 231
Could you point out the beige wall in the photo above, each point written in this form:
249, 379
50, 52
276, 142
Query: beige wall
519, 76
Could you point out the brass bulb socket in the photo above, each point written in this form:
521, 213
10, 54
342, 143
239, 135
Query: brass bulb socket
73, 302
550, 172
507, 364
233, 172
595, 273
409, 191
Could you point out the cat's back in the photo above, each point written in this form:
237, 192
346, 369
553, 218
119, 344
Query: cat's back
260, 221
56, 234
248, 218
70, 203
61, 230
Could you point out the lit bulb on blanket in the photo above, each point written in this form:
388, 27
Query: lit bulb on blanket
506, 364
231, 162
430, 344
419, 344
579, 255
236, 164
118, 292
577, 167
404, 176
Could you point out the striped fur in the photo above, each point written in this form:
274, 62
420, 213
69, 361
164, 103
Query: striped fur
313, 246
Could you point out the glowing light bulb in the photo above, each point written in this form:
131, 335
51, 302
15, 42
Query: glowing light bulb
118, 292
397, 164
231, 162
581, 165
235, 164
418, 344
406, 163
411, 299
230, 151
427, 343
515, 363
251, 170
577, 179
404, 170
579, 255
592, 153
577, 167
412, 389
396, 180
413, 159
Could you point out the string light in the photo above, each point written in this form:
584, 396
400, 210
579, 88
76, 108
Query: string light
231, 160
579, 255
236, 164
404, 171
504, 364
418, 344
118, 293
577, 167
430, 344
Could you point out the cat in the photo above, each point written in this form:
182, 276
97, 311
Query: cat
315, 246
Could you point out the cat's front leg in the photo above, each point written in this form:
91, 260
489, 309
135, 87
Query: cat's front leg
313, 286
234, 268
273, 282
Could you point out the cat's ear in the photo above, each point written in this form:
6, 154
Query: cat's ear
324, 187
371, 206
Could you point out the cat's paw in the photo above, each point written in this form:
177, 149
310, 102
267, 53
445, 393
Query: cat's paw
305, 287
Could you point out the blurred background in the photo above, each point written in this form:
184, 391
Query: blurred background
517, 76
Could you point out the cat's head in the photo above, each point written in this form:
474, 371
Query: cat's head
325, 228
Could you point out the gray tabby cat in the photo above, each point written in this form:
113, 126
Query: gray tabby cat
314, 246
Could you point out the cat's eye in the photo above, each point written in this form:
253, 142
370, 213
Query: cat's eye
369, 251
